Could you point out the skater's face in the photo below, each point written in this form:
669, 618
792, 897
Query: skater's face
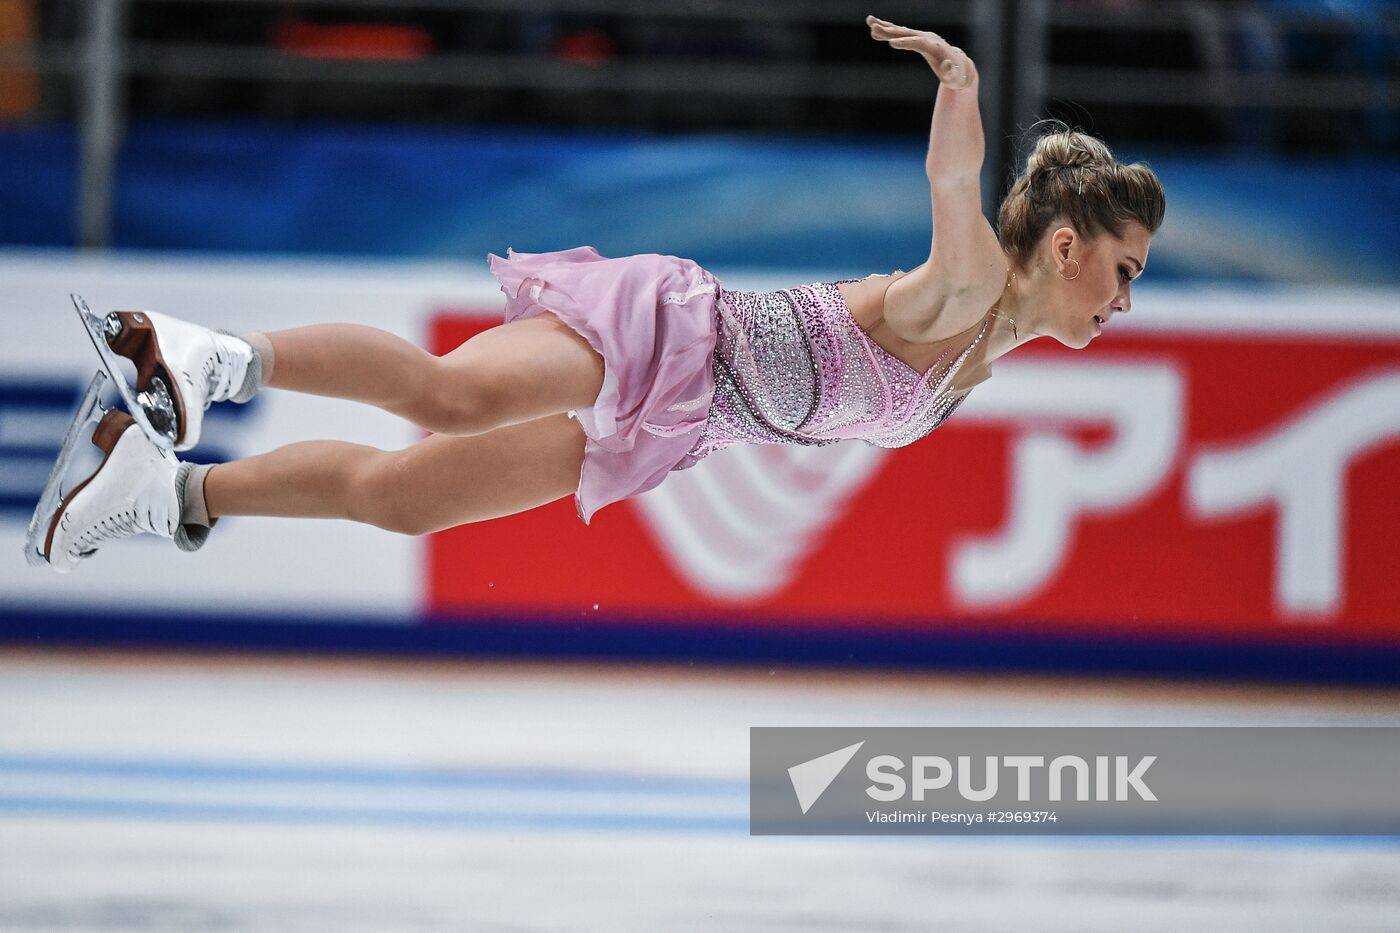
1083, 304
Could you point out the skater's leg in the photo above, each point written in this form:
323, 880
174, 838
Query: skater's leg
512, 373
437, 483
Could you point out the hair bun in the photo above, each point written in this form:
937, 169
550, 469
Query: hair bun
1067, 149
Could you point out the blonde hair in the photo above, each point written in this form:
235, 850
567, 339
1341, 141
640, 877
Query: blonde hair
1074, 176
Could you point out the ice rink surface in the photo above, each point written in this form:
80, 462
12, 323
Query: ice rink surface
188, 792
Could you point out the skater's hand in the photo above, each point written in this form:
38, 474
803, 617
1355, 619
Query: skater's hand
950, 63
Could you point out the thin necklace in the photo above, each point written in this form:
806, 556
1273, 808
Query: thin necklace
997, 313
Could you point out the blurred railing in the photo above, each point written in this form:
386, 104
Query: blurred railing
1237, 67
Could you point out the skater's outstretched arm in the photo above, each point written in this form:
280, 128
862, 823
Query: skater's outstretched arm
966, 266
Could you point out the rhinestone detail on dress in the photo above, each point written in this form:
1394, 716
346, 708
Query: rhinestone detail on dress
793, 366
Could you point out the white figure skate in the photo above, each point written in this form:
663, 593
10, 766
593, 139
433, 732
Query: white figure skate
89, 410
181, 369
132, 491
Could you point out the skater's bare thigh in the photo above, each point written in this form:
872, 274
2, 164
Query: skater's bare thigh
527, 369
447, 480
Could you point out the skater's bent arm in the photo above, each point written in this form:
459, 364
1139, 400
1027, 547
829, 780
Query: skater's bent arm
942, 296
955, 142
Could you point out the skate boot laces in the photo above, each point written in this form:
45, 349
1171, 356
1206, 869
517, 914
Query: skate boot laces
217, 374
121, 524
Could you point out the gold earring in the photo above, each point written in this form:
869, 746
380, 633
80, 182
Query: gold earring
1071, 278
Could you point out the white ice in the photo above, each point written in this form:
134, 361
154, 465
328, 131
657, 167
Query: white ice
186, 793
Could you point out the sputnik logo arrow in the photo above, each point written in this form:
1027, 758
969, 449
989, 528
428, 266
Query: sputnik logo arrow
811, 778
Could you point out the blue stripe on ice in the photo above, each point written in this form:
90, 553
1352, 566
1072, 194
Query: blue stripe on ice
563, 781
83, 807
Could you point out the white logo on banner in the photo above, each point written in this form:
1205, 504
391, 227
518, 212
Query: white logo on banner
739, 523
1053, 479
1300, 468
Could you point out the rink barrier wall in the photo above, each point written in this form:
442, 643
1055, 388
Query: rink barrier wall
1207, 492
945, 650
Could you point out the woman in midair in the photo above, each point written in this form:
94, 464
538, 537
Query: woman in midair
607, 374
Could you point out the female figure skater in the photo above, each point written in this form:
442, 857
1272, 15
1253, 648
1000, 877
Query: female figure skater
609, 373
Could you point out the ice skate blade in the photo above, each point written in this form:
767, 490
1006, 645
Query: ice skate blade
138, 404
89, 411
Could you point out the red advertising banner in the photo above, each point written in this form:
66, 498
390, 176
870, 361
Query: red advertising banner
1236, 481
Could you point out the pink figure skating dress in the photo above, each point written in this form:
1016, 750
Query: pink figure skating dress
691, 367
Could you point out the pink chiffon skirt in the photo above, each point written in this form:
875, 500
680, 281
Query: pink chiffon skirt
653, 320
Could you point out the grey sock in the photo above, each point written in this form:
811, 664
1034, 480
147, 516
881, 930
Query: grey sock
262, 346
193, 529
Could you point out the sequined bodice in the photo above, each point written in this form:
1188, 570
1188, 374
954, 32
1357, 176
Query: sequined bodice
794, 367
